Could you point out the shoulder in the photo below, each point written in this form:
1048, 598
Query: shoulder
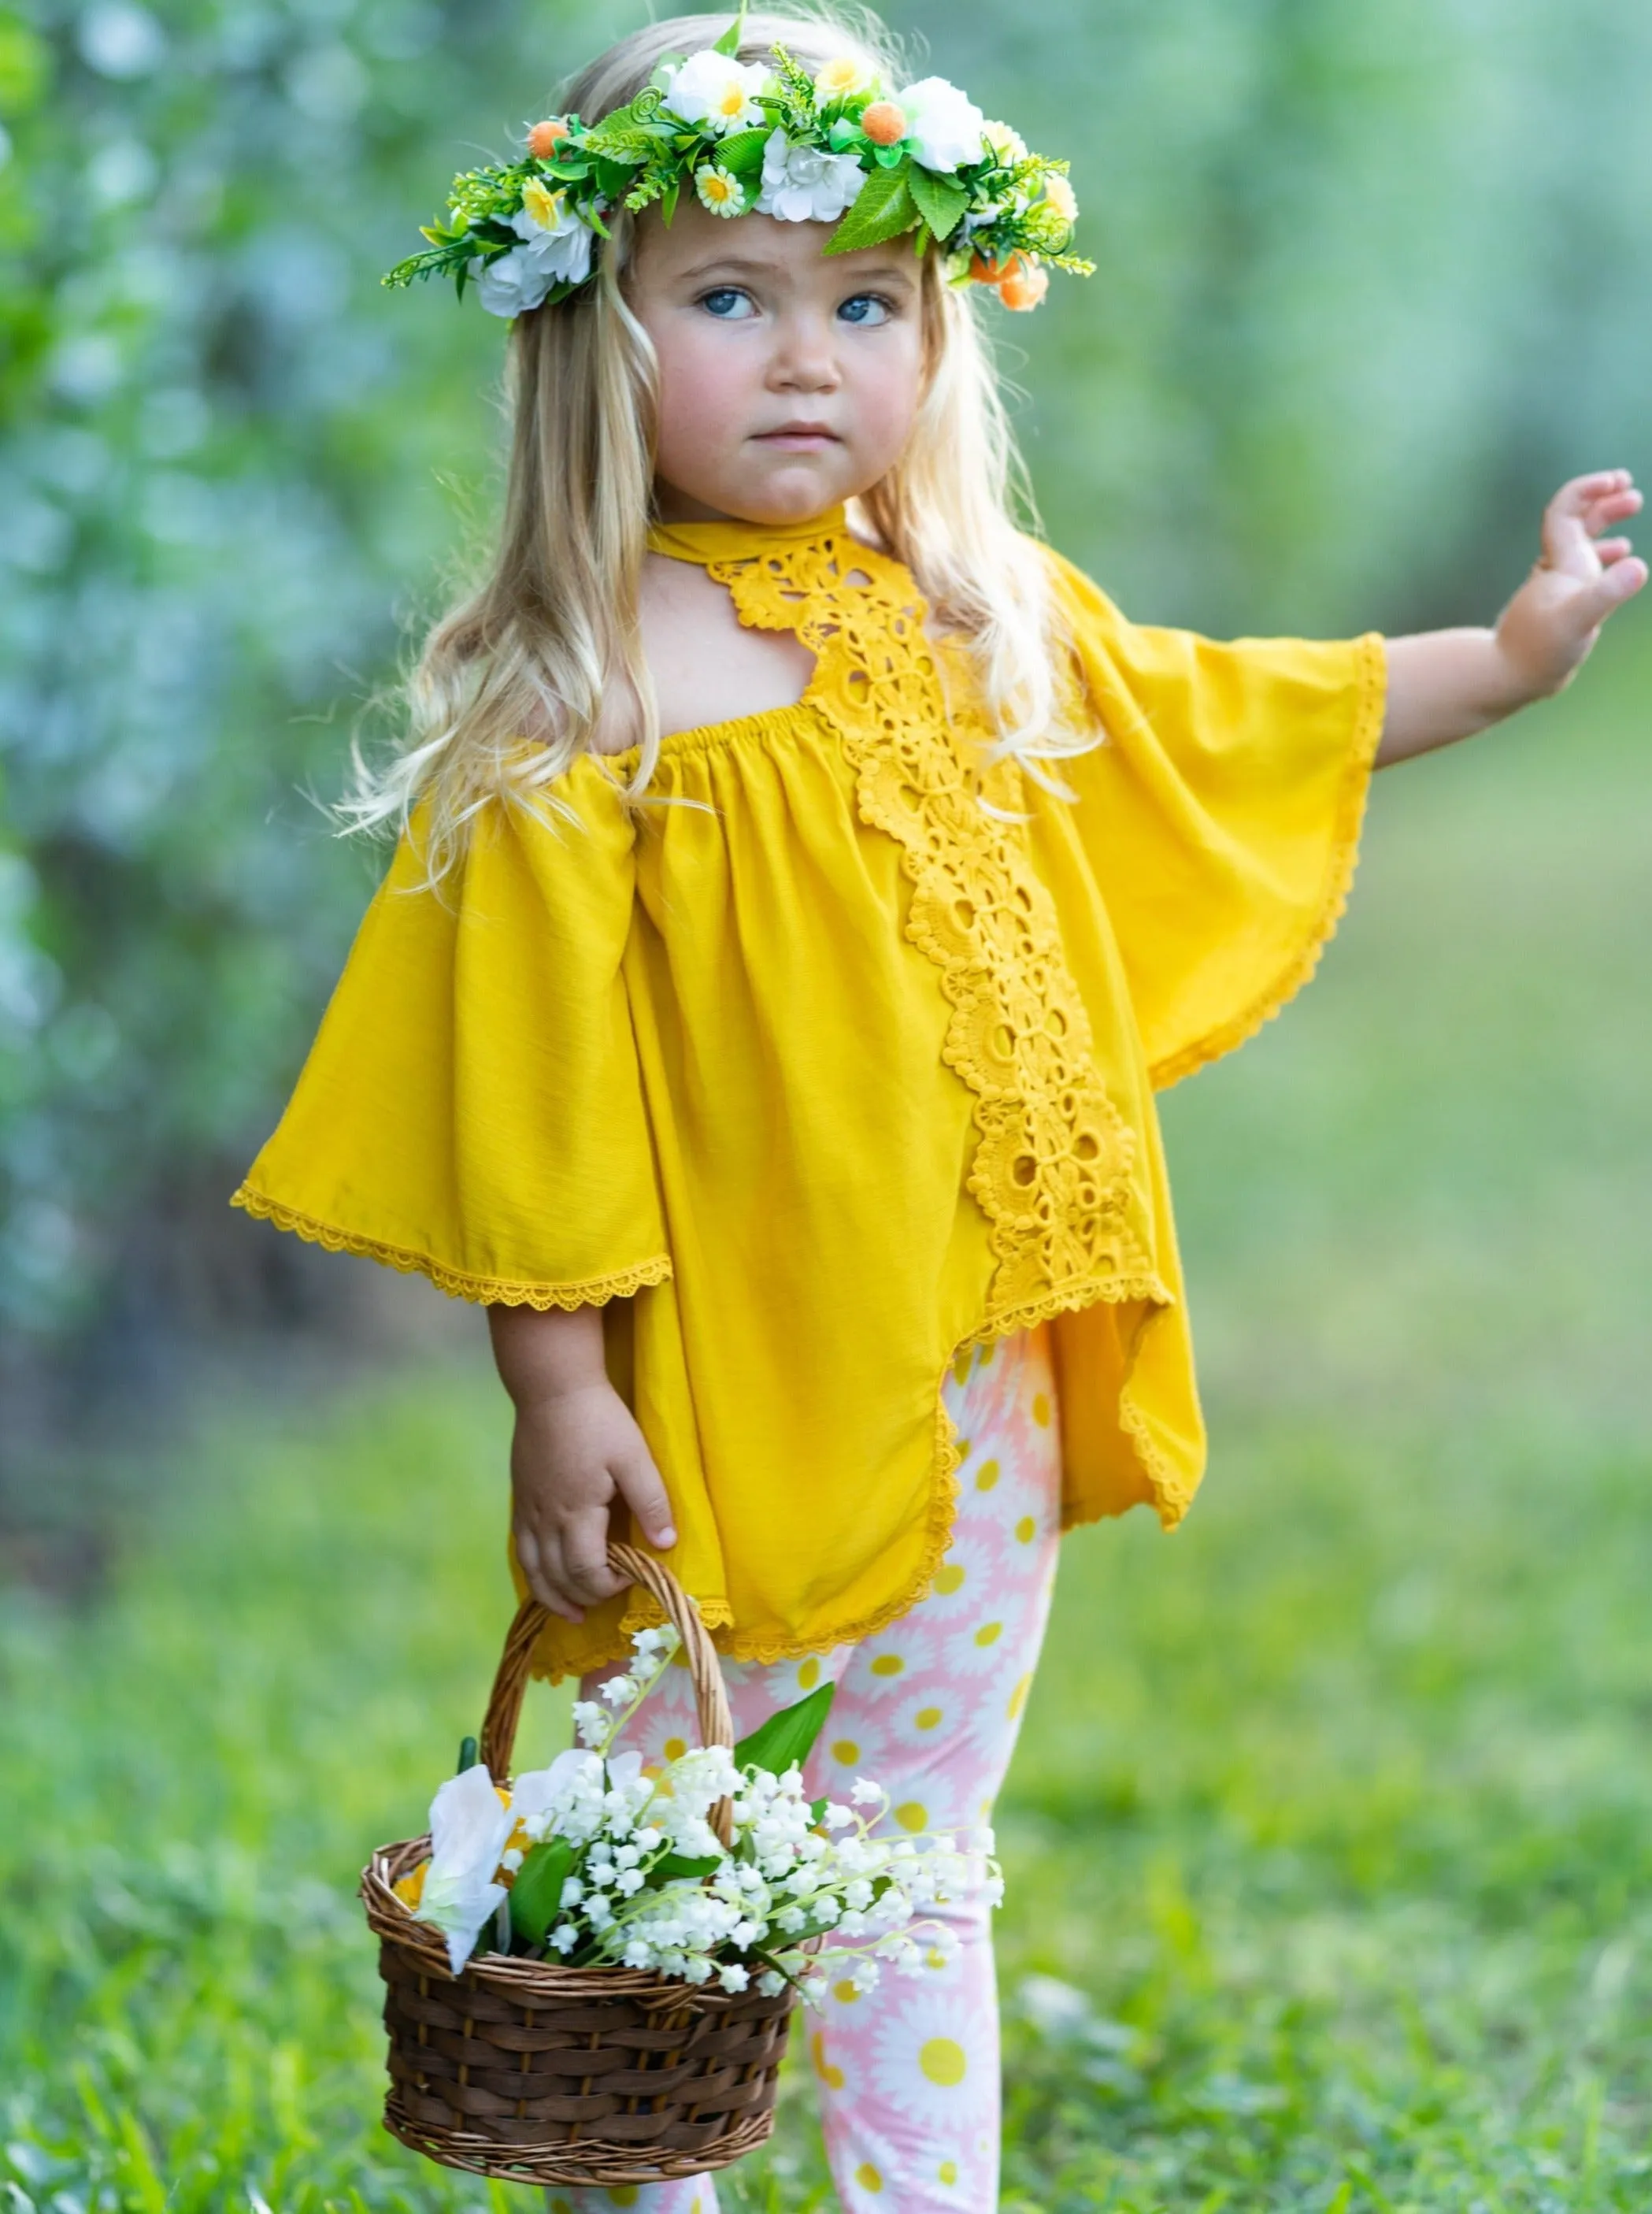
1075, 594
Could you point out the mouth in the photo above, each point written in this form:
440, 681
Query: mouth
798, 437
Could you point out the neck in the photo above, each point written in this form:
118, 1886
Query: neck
671, 506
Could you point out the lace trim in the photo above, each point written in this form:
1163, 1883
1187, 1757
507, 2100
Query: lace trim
1343, 859
1052, 1170
486, 1290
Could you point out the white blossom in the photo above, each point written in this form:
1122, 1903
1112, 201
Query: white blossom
717, 91
802, 184
468, 1828
944, 125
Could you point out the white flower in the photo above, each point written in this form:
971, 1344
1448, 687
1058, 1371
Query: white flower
510, 283
864, 1791
802, 185
590, 1723
719, 191
557, 237
468, 1829
619, 1690
733, 1977
718, 91
842, 77
771, 1982
945, 126
544, 1791
1006, 146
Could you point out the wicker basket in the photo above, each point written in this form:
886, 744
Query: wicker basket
537, 2073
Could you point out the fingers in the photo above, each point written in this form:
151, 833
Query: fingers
1578, 514
583, 1541
1620, 582
644, 1493
542, 1585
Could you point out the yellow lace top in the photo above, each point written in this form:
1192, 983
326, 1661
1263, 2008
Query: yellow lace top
838, 1072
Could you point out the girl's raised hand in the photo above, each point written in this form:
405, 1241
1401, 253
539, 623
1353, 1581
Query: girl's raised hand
1549, 626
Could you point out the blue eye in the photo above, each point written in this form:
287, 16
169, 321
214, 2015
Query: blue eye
866, 310
728, 304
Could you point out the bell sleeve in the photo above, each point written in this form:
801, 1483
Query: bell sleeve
472, 1107
1220, 815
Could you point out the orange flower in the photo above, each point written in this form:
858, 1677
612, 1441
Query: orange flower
544, 138
986, 271
1023, 284
884, 124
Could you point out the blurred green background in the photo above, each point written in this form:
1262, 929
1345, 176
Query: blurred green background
1328, 1844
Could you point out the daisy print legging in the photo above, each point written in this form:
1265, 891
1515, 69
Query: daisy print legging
907, 2075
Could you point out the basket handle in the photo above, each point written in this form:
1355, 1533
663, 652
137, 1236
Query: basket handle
710, 1698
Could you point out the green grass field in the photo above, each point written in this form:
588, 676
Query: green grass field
1330, 1841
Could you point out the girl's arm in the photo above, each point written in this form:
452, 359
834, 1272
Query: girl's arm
576, 1449
1447, 684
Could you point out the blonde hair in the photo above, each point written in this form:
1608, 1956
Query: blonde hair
551, 635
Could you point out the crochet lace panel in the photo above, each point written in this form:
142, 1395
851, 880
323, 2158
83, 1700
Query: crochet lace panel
1052, 1172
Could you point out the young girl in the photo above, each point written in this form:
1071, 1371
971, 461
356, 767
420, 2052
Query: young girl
806, 879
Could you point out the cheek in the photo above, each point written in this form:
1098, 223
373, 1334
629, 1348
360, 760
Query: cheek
704, 391
888, 382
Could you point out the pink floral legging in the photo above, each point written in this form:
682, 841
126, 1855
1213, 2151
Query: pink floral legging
908, 2075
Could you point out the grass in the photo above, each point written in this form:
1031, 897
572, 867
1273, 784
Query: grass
1330, 1839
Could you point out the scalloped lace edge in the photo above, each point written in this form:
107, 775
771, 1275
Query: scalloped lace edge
1338, 881
1172, 1495
485, 1291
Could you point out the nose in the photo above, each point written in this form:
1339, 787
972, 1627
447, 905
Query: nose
805, 359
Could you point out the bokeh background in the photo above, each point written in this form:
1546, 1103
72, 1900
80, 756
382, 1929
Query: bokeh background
1328, 1846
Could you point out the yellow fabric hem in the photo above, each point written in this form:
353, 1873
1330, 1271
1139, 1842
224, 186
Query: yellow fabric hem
486, 1290
1171, 1500
1339, 878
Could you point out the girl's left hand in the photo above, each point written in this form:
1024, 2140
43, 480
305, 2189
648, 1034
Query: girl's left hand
1548, 628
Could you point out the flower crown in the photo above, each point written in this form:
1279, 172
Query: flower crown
835, 147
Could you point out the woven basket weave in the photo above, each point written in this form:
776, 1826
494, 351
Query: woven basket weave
537, 2073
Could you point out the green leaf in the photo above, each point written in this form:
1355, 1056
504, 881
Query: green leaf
730, 42
883, 208
668, 199
468, 1755
742, 153
672, 1866
940, 202
536, 1895
787, 1737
